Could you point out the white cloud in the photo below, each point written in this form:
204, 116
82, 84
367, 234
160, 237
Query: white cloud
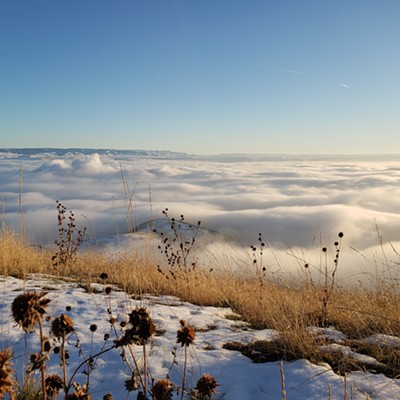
290, 71
293, 201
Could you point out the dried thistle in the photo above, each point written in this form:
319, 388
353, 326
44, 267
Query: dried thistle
162, 390
6, 379
37, 361
61, 326
131, 384
80, 393
186, 334
142, 328
206, 386
46, 345
103, 276
54, 384
28, 309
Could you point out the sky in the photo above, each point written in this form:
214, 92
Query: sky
203, 77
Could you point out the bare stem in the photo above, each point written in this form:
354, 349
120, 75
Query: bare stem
63, 362
43, 367
83, 363
184, 374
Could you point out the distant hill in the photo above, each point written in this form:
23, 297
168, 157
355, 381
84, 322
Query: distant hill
161, 228
49, 152
55, 152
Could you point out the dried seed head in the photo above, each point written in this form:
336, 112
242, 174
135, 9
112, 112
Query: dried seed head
108, 289
131, 384
142, 328
28, 309
93, 328
54, 384
103, 275
162, 390
186, 334
37, 361
80, 393
206, 386
108, 396
61, 326
6, 379
46, 345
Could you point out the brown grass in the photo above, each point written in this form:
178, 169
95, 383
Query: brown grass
286, 306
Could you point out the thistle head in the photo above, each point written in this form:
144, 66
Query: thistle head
28, 309
141, 328
206, 386
61, 326
6, 378
80, 393
162, 390
186, 334
54, 384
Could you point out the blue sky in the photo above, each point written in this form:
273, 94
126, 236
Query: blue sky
206, 77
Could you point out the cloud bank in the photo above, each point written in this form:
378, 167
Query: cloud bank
293, 201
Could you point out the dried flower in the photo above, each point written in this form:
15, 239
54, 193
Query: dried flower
142, 328
93, 327
206, 386
108, 289
6, 379
103, 275
162, 390
61, 326
28, 309
37, 361
131, 384
186, 334
46, 345
80, 393
54, 384
108, 396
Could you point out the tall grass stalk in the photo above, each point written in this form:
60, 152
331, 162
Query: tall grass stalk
21, 211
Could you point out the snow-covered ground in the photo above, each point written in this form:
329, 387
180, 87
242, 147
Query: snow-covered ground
239, 378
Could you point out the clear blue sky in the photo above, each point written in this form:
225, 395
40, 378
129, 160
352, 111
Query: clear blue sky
206, 77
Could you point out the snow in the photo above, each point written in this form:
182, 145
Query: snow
239, 378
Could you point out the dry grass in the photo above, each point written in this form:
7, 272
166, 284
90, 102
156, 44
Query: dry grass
19, 259
285, 306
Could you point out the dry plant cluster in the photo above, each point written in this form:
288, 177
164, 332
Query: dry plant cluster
289, 306
29, 312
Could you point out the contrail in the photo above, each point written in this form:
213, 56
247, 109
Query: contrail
343, 85
290, 71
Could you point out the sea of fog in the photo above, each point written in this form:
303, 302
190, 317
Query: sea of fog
298, 203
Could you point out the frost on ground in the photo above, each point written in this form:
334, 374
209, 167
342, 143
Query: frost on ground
239, 378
